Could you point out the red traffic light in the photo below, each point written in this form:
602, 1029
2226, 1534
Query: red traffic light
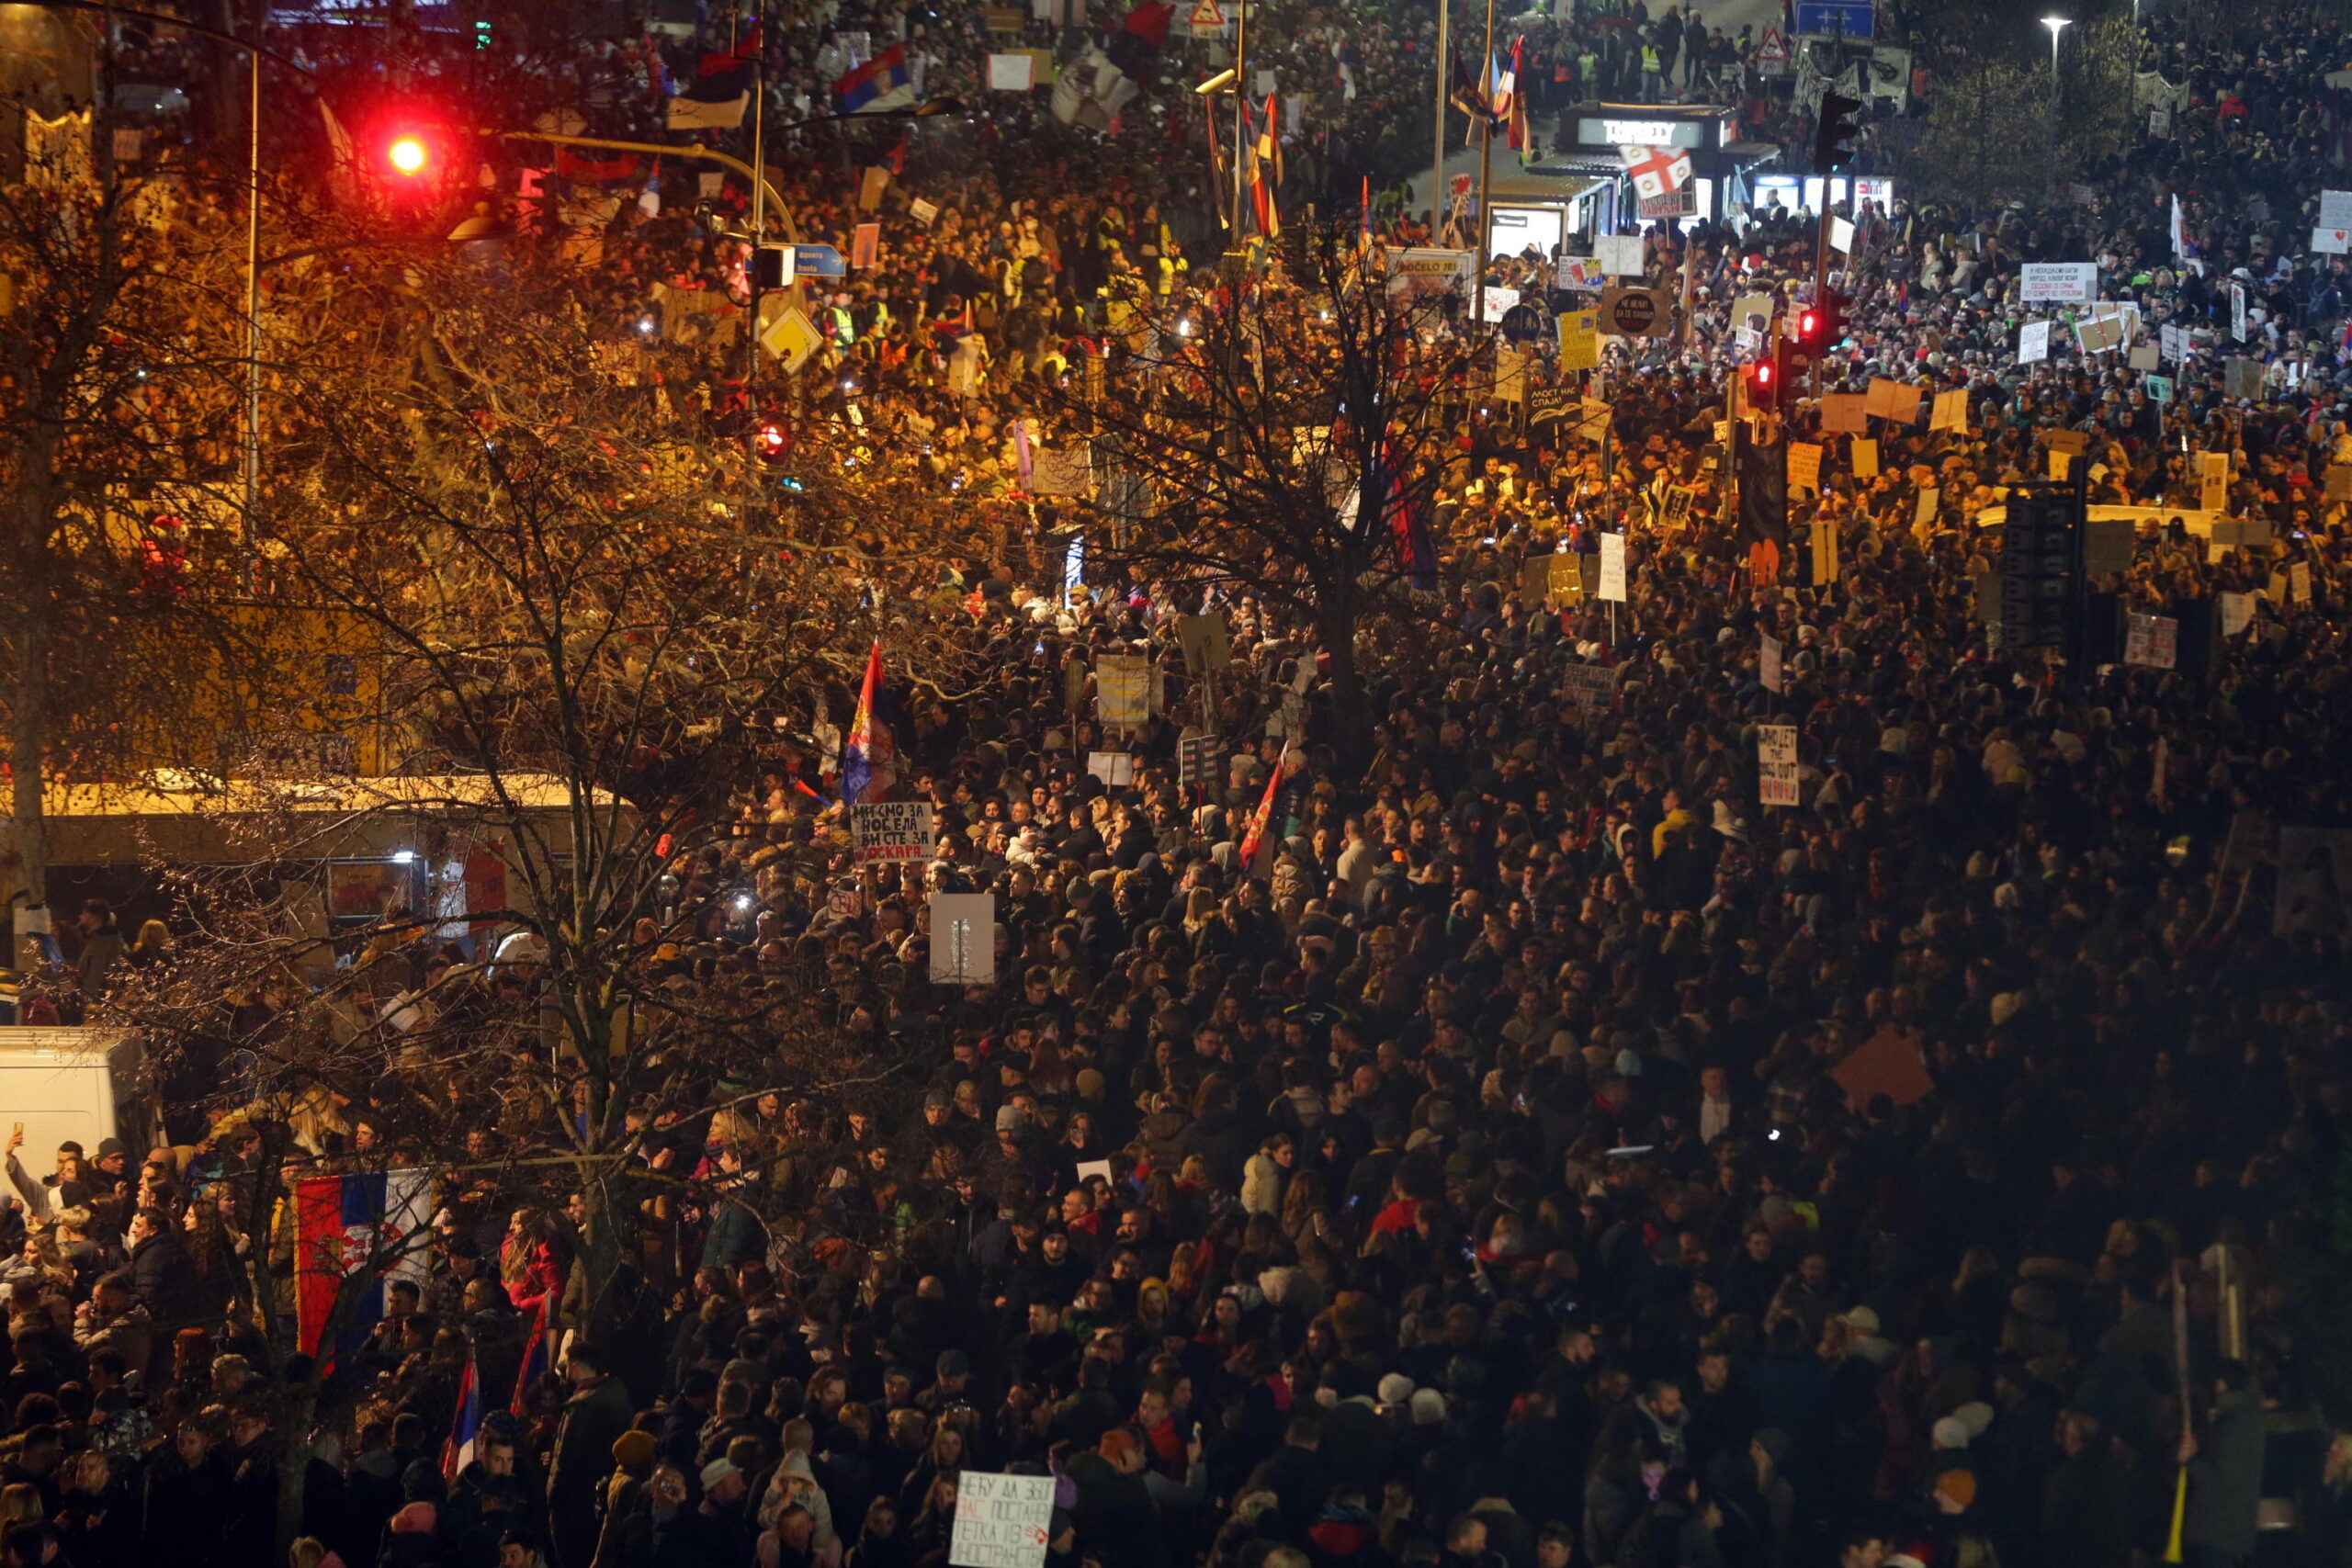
407, 154
1762, 372
1808, 326
771, 440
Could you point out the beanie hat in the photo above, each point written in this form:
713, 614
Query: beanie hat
633, 1449
1428, 1407
1395, 1388
1951, 1432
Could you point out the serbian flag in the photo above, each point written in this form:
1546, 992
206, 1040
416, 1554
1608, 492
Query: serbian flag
1257, 840
882, 82
721, 90
1265, 171
857, 752
369, 1225
1515, 101
457, 1448
535, 1361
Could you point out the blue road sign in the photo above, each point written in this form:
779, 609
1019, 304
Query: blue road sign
818, 261
1828, 17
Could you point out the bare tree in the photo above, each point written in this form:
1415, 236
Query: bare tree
1289, 447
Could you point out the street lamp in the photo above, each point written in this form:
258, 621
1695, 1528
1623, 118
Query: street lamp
2056, 26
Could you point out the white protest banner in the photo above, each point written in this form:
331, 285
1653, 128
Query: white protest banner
1497, 301
1613, 566
1768, 664
1122, 690
1015, 72
2059, 283
1951, 410
2299, 583
1116, 769
2335, 209
1581, 272
2332, 242
1804, 466
890, 830
922, 211
1776, 764
1001, 1520
2033, 343
2237, 613
1620, 255
963, 943
1841, 236
2152, 642
1592, 688
2172, 341
2237, 311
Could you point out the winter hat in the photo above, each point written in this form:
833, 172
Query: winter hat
1428, 1407
1951, 1432
633, 1450
1976, 1416
717, 1471
1956, 1490
1395, 1388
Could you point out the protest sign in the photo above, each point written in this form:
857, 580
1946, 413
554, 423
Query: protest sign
1590, 688
890, 830
1776, 764
1122, 690
963, 940
1001, 1521
1613, 566
2059, 283
1768, 664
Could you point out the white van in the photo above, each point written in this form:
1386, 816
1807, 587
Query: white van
85, 1085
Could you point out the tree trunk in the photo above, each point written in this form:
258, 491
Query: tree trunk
1350, 709
294, 1461
29, 713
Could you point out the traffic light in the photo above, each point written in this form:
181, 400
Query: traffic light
1763, 385
771, 441
1840, 127
408, 155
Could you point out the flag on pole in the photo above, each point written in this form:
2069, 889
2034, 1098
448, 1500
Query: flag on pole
2179, 231
1516, 136
721, 91
1657, 170
896, 159
1257, 840
1363, 230
1265, 170
457, 1448
1220, 167
346, 1225
882, 82
857, 754
1505, 78
535, 1361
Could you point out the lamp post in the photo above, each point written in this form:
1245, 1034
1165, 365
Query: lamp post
2056, 26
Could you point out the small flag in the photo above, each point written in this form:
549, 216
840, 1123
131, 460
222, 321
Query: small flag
896, 159
1257, 840
535, 1361
857, 753
1265, 171
457, 1449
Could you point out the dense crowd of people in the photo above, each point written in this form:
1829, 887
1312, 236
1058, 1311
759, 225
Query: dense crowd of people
1539, 1152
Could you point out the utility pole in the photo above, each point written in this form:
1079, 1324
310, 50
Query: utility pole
1437, 158
1485, 138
